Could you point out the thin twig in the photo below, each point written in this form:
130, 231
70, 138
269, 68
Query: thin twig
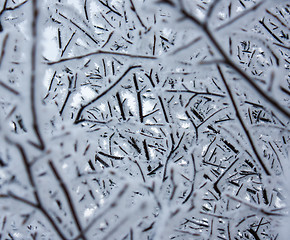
68, 198
100, 52
237, 112
33, 89
79, 114
4, 85
3, 48
31, 179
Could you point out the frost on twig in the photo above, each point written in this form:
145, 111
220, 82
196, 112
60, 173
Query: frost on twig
144, 119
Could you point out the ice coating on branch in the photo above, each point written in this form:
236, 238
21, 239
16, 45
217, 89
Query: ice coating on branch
144, 119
